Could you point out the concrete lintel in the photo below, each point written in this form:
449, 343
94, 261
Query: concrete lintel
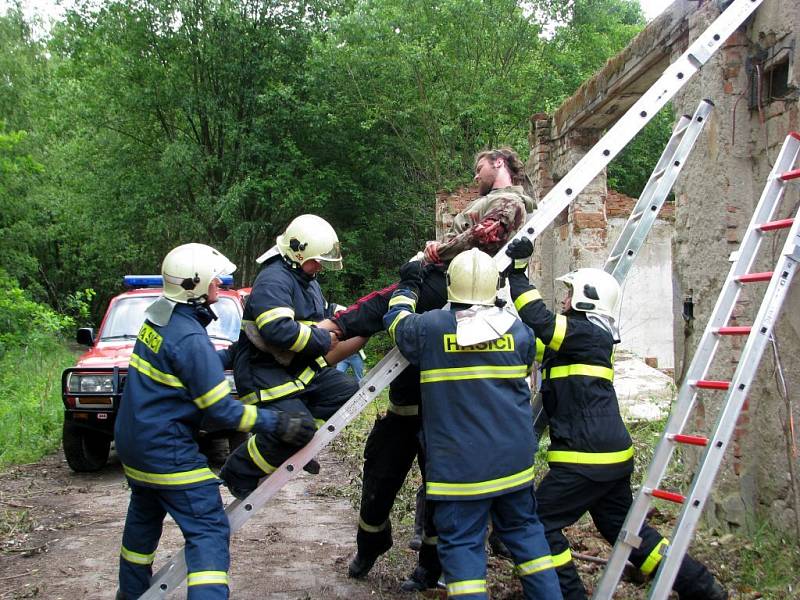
601, 100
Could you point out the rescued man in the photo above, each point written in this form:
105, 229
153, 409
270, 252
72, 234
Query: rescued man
474, 360
175, 381
591, 453
280, 362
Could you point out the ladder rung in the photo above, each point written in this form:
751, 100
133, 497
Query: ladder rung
751, 277
772, 225
733, 330
794, 174
658, 174
694, 440
708, 384
671, 496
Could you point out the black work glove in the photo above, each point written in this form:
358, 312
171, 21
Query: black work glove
296, 429
519, 251
411, 275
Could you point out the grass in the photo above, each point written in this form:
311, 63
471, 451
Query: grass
31, 411
770, 562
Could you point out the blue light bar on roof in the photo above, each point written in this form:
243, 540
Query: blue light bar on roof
144, 281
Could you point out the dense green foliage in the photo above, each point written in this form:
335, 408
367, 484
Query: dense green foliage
135, 126
32, 355
629, 171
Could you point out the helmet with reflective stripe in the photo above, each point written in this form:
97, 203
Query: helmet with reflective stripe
310, 237
472, 278
593, 291
188, 270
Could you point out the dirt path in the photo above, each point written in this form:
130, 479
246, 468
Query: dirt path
61, 535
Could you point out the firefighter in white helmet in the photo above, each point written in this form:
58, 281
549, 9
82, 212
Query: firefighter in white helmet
175, 381
477, 426
591, 454
283, 366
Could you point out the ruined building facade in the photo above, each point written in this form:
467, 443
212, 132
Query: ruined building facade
753, 81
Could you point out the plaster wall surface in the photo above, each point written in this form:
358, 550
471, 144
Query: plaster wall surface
647, 304
716, 195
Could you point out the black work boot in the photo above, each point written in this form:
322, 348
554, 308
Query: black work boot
419, 581
239, 487
712, 591
695, 582
312, 467
360, 566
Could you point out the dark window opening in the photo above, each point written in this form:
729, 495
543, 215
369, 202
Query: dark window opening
769, 81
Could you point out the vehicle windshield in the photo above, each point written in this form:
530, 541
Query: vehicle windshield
127, 315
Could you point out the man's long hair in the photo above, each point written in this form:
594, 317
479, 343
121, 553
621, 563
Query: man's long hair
515, 166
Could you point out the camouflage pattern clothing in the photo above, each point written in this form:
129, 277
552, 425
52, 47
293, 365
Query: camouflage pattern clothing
488, 223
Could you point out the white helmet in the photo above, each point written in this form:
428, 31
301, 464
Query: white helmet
472, 278
593, 291
310, 237
188, 270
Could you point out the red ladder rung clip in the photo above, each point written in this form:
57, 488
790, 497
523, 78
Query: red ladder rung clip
694, 440
780, 224
793, 174
671, 496
733, 330
709, 384
752, 277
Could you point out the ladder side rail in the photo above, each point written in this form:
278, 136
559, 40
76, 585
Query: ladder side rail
726, 421
743, 260
637, 116
642, 111
172, 574
629, 252
698, 369
664, 161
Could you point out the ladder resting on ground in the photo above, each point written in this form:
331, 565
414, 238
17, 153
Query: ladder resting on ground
172, 574
736, 390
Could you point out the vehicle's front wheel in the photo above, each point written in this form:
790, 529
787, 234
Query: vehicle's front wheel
85, 450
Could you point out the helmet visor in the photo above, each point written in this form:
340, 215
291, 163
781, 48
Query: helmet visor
332, 259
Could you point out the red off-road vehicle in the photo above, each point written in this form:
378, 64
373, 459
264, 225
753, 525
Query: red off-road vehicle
92, 389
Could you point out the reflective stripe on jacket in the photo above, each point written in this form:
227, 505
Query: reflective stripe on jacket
175, 379
587, 433
285, 304
476, 408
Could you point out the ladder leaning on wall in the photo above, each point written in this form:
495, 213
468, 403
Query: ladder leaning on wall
758, 334
645, 211
172, 574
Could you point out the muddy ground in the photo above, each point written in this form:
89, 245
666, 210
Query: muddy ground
63, 530
60, 535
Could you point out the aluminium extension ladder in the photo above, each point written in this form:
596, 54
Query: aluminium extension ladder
646, 209
759, 334
654, 194
173, 573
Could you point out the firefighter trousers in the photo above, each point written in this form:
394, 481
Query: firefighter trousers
462, 529
199, 513
389, 454
263, 454
565, 496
